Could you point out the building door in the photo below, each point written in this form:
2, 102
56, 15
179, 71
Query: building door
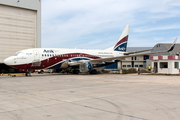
155, 69
132, 63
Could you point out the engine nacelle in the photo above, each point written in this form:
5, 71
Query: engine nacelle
85, 67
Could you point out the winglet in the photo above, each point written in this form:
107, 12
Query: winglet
172, 46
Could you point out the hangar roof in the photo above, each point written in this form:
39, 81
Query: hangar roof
165, 46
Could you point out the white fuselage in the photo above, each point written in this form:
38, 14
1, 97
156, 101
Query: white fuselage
52, 58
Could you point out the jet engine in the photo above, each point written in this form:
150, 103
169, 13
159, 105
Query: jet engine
85, 67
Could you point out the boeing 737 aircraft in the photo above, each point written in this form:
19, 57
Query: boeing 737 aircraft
76, 60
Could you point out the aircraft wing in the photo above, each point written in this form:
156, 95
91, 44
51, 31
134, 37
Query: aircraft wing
113, 59
128, 53
132, 55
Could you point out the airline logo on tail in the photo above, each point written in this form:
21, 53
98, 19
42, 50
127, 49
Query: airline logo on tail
121, 44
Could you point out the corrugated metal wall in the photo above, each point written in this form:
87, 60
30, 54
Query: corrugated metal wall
17, 30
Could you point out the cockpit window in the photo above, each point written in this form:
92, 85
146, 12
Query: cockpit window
18, 53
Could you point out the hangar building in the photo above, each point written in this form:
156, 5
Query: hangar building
20, 26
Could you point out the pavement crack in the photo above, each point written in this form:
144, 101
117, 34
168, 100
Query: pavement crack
108, 111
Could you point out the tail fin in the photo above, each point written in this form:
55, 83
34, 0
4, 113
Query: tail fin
121, 44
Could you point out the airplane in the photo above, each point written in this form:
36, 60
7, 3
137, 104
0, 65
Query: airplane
75, 60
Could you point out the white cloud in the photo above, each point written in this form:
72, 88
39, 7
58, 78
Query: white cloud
64, 21
155, 28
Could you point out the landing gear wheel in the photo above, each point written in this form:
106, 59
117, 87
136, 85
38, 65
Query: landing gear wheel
28, 74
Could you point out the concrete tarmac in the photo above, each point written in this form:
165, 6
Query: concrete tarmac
90, 97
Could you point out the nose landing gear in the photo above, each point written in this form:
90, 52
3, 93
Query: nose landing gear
28, 74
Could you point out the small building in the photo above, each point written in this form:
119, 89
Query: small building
165, 64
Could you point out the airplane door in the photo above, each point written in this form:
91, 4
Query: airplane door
36, 55
36, 61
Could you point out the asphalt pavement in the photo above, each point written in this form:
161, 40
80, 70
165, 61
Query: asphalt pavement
90, 97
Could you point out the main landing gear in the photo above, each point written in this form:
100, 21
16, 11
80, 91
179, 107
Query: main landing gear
28, 74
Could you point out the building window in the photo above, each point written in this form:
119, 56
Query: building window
128, 65
124, 65
140, 65
132, 58
163, 64
135, 58
176, 64
136, 65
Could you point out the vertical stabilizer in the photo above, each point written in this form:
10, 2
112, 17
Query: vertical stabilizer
121, 44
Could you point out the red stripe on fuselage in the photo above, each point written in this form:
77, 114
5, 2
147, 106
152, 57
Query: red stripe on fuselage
54, 60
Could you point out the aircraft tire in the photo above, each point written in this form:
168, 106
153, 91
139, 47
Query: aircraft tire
28, 74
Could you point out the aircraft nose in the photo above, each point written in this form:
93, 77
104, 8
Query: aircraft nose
8, 61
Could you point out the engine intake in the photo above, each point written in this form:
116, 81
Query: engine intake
85, 67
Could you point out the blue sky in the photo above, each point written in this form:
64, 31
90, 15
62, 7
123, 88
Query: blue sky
97, 24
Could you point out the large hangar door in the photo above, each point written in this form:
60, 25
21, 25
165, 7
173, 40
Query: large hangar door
17, 30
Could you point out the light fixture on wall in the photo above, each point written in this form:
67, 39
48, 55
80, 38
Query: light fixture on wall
17, 0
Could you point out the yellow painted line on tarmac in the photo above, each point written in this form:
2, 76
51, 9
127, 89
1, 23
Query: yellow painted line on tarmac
12, 75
